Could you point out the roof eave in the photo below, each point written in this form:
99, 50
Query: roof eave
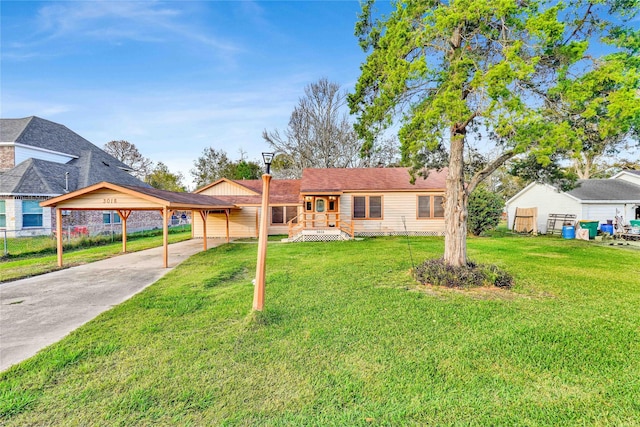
44, 150
596, 201
29, 194
230, 181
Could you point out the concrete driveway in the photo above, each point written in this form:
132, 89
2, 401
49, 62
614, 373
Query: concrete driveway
39, 311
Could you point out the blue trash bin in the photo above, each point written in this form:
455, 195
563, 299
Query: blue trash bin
607, 228
568, 232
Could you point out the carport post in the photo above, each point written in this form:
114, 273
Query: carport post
59, 235
204, 215
226, 213
124, 215
165, 236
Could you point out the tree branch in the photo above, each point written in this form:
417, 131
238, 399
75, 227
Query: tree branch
488, 170
580, 24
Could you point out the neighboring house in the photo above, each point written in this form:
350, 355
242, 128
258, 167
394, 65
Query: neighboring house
592, 200
331, 204
40, 159
628, 175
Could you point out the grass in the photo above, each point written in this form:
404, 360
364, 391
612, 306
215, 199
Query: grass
18, 267
348, 338
25, 247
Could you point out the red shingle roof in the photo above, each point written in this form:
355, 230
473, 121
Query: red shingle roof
280, 191
368, 179
279, 187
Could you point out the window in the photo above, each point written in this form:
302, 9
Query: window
291, 213
283, 214
110, 217
333, 204
277, 214
3, 214
430, 207
31, 213
319, 205
359, 207
438, 207
367, 207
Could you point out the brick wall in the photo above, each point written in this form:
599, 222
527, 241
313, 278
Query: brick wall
93, 220
7, 157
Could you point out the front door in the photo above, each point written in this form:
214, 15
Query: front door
321, 211
321, 204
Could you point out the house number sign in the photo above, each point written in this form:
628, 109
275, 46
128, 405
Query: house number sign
109, 200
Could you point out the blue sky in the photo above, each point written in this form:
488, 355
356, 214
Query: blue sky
173, 77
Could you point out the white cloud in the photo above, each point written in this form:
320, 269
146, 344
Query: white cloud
115, 22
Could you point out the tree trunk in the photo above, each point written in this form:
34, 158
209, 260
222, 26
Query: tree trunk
455, 209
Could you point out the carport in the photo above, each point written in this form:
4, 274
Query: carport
126, 199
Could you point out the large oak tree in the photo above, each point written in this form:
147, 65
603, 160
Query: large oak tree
602, 107
457, 71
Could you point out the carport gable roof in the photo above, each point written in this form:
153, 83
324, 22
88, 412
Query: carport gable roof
105, 195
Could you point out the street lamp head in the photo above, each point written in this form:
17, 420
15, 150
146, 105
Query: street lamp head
268, 158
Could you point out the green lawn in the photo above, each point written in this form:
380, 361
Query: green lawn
348, 338
31, 264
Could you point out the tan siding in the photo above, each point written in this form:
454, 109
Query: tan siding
278, 229
228, 189
108, 200
242, 223
395, 206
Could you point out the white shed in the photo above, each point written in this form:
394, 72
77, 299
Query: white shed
629, 176
593, 200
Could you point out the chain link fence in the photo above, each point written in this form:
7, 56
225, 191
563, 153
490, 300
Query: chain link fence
77, 236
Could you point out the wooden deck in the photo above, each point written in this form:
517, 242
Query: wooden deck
319, 224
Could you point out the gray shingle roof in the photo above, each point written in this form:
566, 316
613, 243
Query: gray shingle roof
606, 189
11, 129
40, 133
35, 176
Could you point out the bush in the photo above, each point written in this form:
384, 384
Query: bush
437, 272
485, 211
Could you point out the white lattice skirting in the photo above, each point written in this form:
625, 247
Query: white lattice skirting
397, 233
319, 237
306, 236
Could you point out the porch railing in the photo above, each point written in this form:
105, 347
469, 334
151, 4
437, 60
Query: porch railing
320, 221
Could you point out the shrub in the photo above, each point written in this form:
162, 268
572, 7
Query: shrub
485, 210
437, 272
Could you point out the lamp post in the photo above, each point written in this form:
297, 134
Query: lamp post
258, 292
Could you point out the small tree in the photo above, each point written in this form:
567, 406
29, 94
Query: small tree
485, 210
163, 179
211, 166
215, 164
243, 169
128, 154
